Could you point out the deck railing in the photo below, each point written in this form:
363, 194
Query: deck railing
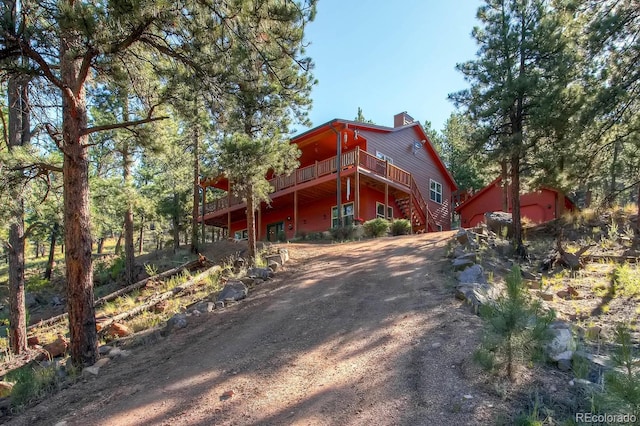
324, 167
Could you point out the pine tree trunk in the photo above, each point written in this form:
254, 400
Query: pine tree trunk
127, 162
196, 190
176, 223
100, 245
612, 175
118, 248
17, 315
515, 207
17, 311
52, 250
251, 226
77, 223
505, 186
141, 239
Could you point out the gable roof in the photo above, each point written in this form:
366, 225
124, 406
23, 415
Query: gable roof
493, 183
478, 194
337, 123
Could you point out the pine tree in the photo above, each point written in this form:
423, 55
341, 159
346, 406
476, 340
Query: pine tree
273, 85
518, 85
71, 42
516, 327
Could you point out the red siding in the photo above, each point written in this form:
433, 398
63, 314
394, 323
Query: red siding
538, 206
399, 146
316, 216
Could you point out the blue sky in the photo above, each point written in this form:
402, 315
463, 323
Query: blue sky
389, 56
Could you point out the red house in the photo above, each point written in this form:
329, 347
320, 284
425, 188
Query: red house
382, 172
539, 206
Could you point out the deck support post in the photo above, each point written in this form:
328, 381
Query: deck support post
295, 213
356, 197
386, 200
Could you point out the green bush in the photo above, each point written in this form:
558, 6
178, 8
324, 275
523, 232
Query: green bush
31, 384
376, 227
343, 233
400, 227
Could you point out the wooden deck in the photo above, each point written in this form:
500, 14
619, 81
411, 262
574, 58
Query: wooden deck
350, 162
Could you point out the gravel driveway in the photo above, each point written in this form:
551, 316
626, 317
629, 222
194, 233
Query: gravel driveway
364, 333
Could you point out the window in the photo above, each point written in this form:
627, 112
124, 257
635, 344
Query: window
243, 234
380, 211
435, 193
347, 215
384, 157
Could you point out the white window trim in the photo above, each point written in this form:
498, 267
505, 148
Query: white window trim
344, 206
389, 211
432, 190
384, 157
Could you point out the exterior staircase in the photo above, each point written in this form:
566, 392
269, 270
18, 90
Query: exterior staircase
416, 210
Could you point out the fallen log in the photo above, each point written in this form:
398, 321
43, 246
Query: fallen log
200, 262
157, 298
187, 266
610, 258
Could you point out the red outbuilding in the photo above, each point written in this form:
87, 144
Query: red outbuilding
388, 172
541, 205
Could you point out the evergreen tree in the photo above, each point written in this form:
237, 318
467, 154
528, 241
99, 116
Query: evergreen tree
71, 42
273, 84
518, 94
516, 327
360, 117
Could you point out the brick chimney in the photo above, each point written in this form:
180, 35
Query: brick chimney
402, 119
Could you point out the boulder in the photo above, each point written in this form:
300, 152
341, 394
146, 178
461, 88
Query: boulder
461, 263
499, 222
275, 258
475, 294
204, 306
120, 330
55, 349
262, 273
232, 292
177, 321
472, 274
561, 345
462, 236
273, 265
285, 254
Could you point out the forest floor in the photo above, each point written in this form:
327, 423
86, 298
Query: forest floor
354, 333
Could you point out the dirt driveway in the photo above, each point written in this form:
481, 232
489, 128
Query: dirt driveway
348, 334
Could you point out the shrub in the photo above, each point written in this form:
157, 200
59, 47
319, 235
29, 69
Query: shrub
31, 383
376, 227
343, 233
400, 227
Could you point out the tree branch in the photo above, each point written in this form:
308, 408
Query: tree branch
95, 129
